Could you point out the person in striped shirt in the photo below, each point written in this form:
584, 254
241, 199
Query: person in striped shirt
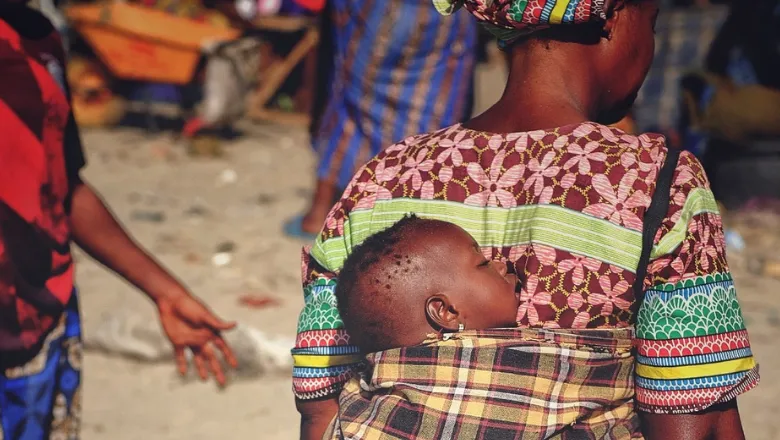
393, 68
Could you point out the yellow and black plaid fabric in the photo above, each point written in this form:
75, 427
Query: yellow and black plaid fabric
496, 384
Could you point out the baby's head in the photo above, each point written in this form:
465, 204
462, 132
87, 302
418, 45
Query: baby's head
421, 276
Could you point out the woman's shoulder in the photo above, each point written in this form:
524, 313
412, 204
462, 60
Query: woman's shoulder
589, 156
586, 149
598, 137
570, 138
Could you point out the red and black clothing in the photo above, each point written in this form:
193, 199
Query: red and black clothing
40, 159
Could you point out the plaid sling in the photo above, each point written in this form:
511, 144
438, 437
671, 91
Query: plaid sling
496, 384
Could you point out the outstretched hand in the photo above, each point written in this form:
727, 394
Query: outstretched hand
186, 321
189, 324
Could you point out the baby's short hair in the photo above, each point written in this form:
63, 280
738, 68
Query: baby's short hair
365, 293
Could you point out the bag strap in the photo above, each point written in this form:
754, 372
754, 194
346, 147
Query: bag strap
654, 217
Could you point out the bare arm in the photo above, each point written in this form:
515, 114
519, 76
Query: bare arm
186, 321
316, 415
721, 422
96, 231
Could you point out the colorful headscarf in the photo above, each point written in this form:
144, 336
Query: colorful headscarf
511, 19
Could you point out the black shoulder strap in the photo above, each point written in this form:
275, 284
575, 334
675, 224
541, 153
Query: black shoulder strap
659, 207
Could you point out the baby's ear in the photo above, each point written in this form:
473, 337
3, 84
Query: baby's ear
441, 313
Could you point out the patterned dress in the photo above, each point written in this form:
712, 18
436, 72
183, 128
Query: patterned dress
565, 208
41, 399
399, 68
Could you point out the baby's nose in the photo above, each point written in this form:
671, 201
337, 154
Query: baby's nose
500, 267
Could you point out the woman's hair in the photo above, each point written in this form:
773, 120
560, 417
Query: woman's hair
584, 33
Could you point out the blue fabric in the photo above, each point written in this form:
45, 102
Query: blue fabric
742, 72
740, 69
683, 40
292, 9
400, 69
293, 228
41, 400
684, 37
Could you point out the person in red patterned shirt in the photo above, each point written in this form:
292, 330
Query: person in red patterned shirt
45, 205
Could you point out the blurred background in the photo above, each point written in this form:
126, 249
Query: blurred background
196, 118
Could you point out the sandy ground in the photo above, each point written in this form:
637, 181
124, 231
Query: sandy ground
142, 178
145, 178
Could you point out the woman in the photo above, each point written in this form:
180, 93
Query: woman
543, 185
399, 68
44, 205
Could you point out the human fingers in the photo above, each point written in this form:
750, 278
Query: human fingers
181, 360
217, 324
200, 364
227, 352
214, 365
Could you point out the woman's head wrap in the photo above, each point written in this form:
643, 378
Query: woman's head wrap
511, 19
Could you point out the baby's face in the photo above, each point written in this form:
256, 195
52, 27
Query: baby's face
481, 290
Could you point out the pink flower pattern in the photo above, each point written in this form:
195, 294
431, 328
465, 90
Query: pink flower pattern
335, 223
452, 151
583, 156
576, 301
560, 289
371, 193
619, 205
519, 140
540, 170
414, 166
451, 148
706, 249
578, 265
532, 295
610, 295
495, 183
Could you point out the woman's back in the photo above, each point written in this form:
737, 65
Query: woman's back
565, 207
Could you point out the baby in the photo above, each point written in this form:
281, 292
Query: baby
418, 277
491, 381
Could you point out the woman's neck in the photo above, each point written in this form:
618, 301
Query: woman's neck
545, 89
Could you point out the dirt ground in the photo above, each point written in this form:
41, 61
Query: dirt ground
184, 209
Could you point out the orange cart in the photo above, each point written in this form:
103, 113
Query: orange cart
136, 43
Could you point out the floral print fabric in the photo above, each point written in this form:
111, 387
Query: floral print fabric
564, 208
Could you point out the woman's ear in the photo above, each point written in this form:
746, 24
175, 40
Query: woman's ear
614, 10
441, 313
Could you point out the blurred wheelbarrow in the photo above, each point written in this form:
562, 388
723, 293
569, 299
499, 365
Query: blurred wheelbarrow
236, 83
134, 43
231, 72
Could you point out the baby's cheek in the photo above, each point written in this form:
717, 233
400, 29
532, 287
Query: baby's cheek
508, 311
